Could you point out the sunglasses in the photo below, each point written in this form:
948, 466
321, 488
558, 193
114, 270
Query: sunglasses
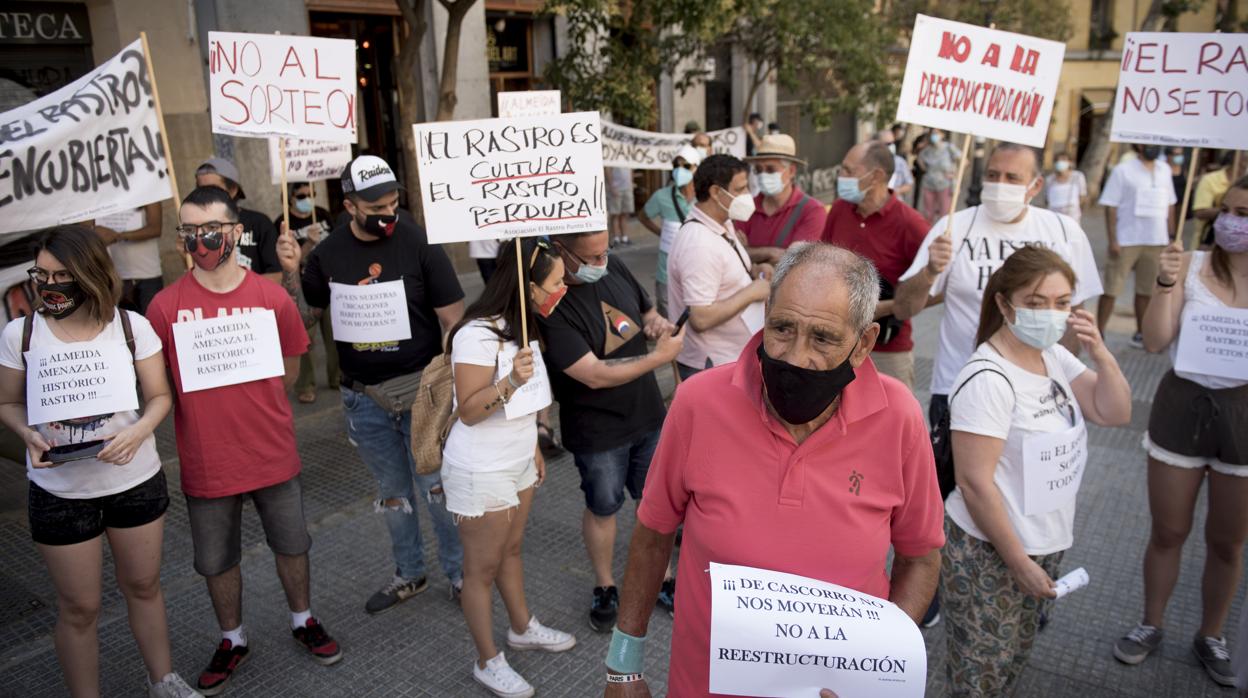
539, 244
301, 197
211, 234
40, 275
1061, 400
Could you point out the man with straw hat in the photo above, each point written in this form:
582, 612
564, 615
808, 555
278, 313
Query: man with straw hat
783, 213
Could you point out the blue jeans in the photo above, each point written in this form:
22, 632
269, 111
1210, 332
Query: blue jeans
384, 442
605, 474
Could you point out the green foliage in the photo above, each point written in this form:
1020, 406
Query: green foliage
617, 51
834, 55
1049, 19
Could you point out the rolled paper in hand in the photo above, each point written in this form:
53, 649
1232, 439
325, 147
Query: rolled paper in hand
1077, 579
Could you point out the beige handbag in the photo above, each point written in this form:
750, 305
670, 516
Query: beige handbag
432, 416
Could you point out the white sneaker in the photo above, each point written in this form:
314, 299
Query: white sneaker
540, 637
500, 679
172, 686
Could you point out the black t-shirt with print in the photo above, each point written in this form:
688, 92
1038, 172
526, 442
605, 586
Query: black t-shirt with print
429, 282
605, 318
257, 248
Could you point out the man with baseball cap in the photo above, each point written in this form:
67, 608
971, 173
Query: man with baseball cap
783, 213
390, 256
257, 248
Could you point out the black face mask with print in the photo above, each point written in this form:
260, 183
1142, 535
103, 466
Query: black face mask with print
378, 225
61, 300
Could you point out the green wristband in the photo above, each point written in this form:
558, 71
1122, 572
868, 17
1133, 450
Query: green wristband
626, 654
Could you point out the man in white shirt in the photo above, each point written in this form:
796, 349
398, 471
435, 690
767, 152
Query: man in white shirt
955, 268
902, 181
709, 270
133, 239
1139, 203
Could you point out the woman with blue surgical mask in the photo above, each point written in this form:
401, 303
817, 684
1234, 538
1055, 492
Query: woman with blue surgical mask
1017, 414
666, 210
309, 224
1066, 189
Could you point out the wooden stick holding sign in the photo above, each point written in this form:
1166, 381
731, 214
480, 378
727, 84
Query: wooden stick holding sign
1187, 195
524, 321
164, 132
281, 150
957, 185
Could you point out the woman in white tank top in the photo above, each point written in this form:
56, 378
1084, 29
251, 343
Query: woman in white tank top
1198, 430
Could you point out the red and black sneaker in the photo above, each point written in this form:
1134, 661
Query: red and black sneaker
225, 660
318, 642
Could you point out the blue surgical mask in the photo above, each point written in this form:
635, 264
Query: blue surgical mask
936, 138
303, 206
590, 274
771, 183
847, 188
1176, 159
1039, 328
681, 176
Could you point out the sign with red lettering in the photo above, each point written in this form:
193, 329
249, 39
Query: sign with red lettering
990, 83
1183, 89
501, 178
278, 85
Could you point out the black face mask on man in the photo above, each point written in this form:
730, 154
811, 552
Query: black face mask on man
1150, 152
797, 394
61, 300
378, 225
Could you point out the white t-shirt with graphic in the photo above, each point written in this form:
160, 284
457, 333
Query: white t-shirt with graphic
88, 478
495, 443
989, 406
134, 260
980, 246
1142, 199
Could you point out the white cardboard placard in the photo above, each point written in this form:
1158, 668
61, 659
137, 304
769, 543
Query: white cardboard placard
1213, 341
369, 313
83, 379
634, 149
530, 103
308, 161
228, 350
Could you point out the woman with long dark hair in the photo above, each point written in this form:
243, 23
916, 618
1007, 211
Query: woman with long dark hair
1197, 432
1017, 417
492, 464
91, 475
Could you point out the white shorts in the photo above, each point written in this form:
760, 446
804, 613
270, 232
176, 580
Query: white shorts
1190, 462
471, 494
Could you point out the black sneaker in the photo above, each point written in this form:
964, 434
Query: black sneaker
396, 592
1212, 653
318, 642
667, 597
225, 660
602, 611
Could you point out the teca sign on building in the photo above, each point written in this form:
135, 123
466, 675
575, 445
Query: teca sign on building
44, 23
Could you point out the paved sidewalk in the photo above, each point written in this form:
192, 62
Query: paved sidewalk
421, 648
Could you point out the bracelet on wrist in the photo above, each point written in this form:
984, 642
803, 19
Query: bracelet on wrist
512, 383
624, 678
1163, 284
501, 397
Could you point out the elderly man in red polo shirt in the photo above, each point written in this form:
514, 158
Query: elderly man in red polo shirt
871, 220
798, 458
783, 213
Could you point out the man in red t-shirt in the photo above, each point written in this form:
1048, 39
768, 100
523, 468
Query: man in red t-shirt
783, 213
237, 441
870, 220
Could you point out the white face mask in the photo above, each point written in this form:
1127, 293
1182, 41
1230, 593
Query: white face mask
1003, 202
771, 183
740, 208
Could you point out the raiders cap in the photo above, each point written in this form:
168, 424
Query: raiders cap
369, 177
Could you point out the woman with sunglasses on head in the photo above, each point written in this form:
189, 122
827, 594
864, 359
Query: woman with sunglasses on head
92, 475
1198, 430
491, 464
1017, 416
309, 224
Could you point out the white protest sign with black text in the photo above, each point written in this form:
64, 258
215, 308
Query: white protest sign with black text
308, 161
87, 150
969, 79
279, 85
500, 178
228, 350
369, 313
530, 103
777, 634
534, 395
635, 149
1053, 466
72, 381
1213, 342
1177, 88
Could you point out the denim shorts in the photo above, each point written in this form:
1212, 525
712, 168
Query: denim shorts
61, 521
471, 494
217, 525
605, 474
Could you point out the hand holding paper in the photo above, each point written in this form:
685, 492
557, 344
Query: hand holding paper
1073, 581
288, 250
